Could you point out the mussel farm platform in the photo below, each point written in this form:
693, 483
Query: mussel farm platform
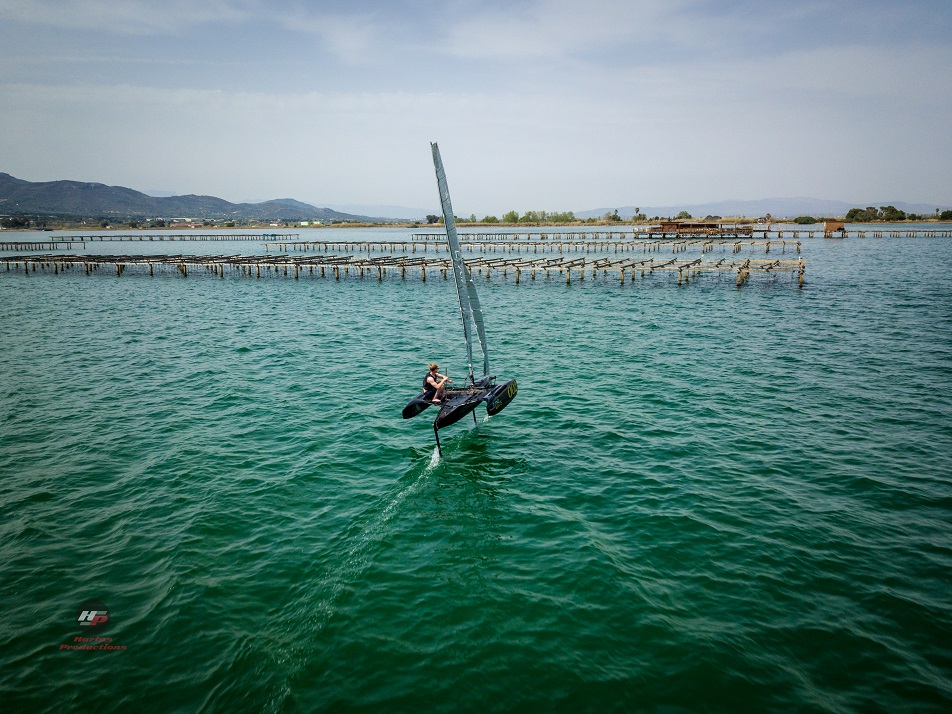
557, 267
66, 242
532, 246
687, 231
173, 237
51, 244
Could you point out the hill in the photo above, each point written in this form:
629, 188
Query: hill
77, 199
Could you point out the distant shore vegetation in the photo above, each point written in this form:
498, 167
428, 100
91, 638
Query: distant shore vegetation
534, 218
888, 214
870, 214
543, 218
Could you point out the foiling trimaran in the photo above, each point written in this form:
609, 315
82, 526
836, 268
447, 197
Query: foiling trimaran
460, 401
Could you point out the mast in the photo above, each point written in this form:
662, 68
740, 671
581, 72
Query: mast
470, 312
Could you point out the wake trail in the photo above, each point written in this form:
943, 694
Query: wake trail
357, 558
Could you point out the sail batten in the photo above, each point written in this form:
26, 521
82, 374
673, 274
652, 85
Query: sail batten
470, 311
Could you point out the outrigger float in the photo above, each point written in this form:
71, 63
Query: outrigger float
460, 401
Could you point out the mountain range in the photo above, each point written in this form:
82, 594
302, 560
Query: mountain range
77, 199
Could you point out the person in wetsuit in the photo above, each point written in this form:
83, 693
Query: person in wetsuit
434, 384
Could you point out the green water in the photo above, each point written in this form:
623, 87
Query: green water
702, 499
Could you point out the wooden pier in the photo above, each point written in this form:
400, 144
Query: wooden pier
616, 270
527, 235
686, 231
52, 244
197, 237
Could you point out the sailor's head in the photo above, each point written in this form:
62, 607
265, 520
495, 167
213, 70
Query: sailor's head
434, 366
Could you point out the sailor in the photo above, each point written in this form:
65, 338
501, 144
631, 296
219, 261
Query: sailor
434, 384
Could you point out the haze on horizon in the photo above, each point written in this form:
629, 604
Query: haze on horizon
536, 105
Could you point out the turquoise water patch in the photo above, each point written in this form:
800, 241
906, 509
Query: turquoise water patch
702, 497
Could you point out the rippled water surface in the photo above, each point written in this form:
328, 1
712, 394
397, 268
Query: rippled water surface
702, 499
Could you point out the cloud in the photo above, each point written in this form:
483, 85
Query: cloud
544, 104
135, 17
552, 29
351, 35
915, 72
352, 38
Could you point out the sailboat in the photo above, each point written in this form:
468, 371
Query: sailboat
460, 401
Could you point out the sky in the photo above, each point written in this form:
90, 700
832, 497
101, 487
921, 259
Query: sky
550, 105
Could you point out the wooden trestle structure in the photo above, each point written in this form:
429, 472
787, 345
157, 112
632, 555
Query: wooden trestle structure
51, 244
548, 246
67, 242
384, 266
687, 230
149, 237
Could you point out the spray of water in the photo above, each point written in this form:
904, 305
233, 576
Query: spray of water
434, 460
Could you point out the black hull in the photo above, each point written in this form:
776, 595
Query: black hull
500, 396
460, 402
456, 408
416, 406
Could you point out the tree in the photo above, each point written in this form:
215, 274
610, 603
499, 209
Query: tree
804, 220
871, 213
891, 213
945, 216
15, 222
683, 215
490, 219
511, 217
432, 218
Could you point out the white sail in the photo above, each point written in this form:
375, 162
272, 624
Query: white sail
470, 311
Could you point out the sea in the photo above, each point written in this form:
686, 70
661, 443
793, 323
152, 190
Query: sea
704, 498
